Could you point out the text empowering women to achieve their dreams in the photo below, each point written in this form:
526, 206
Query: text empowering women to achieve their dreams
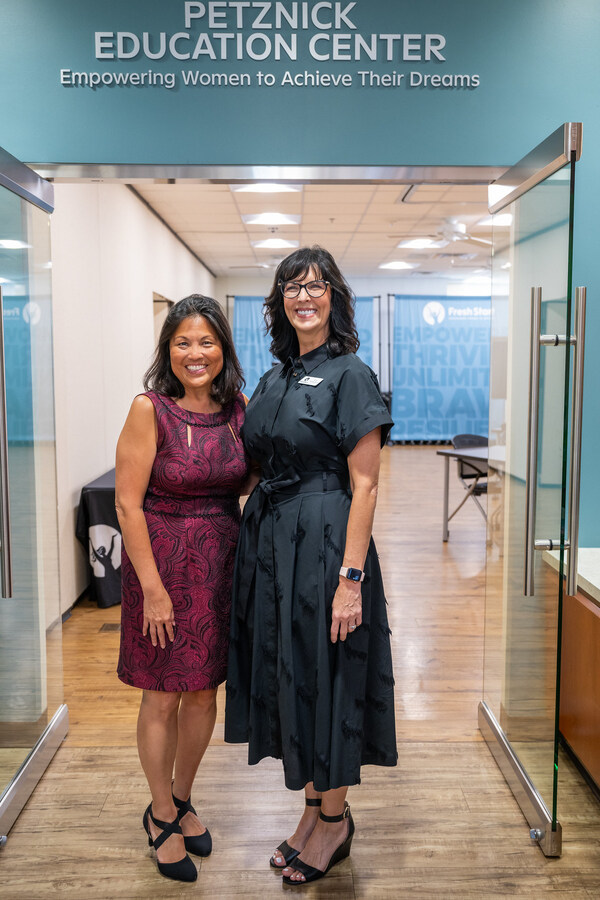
190, 78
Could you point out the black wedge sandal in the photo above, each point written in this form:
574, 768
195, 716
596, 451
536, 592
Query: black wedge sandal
312, 874
182, 870
289, 853
198, 844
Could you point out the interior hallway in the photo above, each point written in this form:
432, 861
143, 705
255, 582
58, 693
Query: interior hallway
443, 824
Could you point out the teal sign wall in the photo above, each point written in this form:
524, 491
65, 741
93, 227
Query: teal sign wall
366, 82
369, 82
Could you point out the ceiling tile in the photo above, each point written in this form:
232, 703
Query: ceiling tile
360, 224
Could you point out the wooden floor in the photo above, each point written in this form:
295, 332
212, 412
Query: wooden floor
441, 825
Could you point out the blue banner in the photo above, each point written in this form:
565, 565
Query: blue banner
441, 367
251, 341
363, 313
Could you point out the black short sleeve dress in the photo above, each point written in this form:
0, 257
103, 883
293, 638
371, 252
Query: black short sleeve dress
325, 709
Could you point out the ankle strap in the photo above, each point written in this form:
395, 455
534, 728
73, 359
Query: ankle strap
183, 806
168, 828
312, 801
340, 818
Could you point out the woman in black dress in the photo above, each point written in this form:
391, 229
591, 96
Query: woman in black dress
310, 673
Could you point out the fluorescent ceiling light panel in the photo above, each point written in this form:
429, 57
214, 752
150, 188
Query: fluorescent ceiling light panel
271, 218
397, 264
275, 244
14, 245
422, 243
500, 220
266, 188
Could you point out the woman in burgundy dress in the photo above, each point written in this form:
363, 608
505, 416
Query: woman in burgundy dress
181, 467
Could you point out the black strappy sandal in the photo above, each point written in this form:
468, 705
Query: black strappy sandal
289, 853
312, 874
198, 844
182, 870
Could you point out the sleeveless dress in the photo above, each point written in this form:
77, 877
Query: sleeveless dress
192, 512
325, 709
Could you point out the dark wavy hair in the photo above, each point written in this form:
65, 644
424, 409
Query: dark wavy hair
343, 337
160, 377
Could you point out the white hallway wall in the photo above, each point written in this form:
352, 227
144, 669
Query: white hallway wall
259, 286
382, 286
109, 255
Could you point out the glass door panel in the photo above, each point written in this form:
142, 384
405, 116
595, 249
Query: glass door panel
529, 412
30, 620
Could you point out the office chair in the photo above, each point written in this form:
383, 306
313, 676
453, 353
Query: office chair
473, 475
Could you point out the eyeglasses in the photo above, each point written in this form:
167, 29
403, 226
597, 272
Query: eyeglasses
292, 289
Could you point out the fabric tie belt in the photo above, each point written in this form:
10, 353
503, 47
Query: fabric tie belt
292, 482
192, 507
266, 494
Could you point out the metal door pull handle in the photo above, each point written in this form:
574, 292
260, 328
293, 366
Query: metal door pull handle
532, 439
575, 450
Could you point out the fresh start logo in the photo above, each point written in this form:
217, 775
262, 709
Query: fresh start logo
434, 313
473, 313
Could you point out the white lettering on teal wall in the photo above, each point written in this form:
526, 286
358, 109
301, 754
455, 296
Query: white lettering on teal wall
271, 32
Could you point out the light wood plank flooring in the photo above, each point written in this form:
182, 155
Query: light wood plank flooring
441, 825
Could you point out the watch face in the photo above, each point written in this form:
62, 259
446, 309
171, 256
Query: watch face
354, 574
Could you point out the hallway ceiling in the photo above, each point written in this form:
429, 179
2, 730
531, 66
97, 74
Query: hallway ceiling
361, 224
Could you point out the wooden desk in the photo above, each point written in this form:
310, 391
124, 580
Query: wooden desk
580, 670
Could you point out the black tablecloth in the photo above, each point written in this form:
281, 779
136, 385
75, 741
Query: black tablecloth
98, 530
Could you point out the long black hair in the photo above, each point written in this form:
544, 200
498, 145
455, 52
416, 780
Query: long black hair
343, 337
160, 377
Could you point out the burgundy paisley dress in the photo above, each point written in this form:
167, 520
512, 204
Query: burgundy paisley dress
192, 511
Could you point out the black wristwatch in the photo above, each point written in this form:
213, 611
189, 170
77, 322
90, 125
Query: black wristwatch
352, 574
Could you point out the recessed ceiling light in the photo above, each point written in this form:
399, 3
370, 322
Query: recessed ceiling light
275, 244
502, 220
14, 245
266, 188
422, 243
271, 218
398, 264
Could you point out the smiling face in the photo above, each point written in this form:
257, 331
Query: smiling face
196, 354
309, 316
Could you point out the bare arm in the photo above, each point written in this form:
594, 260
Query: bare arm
363, 464
253, 476
136, 450
252, 479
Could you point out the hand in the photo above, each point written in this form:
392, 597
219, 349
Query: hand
346, 609
159, 618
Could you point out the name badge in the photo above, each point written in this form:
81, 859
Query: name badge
311, 382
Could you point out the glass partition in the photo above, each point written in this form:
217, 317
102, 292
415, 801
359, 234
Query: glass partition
30, 621
531, 250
